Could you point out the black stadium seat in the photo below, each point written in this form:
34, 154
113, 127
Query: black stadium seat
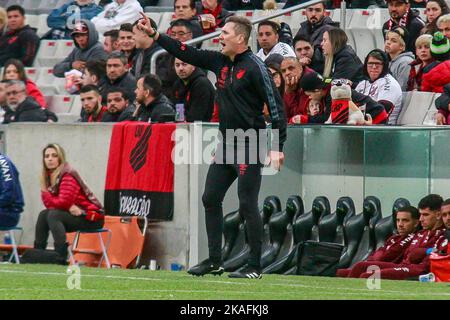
272, 204
280, 232
282, 264
331, 227
321, 209
232, 227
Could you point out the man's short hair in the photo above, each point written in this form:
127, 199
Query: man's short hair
300, 37
16, 7
446, 202
20, 83
322, 3
153, 84
114, 34
118, 55
89, 88
191, 4
181, 23
128, 27
275, 26
431, 201
415, 214
243, 26
443, 19
96, 67
124, 93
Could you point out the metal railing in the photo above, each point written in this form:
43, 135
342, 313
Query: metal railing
156, 55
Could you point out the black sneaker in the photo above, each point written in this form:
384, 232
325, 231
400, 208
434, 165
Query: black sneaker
206, 267
246, 272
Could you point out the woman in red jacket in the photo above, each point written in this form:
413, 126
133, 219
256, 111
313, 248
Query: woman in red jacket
70, 205
15, 70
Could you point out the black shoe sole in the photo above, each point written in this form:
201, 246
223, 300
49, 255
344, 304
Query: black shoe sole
217, 272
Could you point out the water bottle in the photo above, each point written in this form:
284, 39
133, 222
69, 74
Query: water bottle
429, 277
7, 239
179, 116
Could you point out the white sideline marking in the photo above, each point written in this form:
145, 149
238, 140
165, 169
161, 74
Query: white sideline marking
361, 291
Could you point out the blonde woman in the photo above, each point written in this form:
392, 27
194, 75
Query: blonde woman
341, 61
424, 62
70, 205
3, 21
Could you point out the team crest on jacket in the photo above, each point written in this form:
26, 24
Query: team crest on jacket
240, 74
138, 156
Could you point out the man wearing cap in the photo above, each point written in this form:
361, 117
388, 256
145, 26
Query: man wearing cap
402, 16
318, 89
268, 40
87, 47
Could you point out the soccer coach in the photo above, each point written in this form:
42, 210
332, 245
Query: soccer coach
244, 86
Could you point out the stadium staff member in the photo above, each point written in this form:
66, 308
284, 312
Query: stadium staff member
244, 85
11, 197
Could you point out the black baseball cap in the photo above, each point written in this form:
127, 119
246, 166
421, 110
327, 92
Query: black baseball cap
312, 81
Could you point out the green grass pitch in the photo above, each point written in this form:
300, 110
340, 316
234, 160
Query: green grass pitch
53, 282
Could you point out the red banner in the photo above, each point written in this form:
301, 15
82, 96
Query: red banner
140, 176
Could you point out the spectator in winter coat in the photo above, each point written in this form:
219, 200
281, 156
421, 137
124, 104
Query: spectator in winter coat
153, 105
380, 85
62, 20
415, 260
87, 47
145, 47
424, 62
402, 16
22, 108
20, 41
399, 64
434, 10
211, 15
194, 91
443, 106
313, 29
305, 54
15, 70
118, 76
406, 221
268, 40
11, 197
118, 106
127, 42
69, 203
341, 61
186, 10
438, 76
91, 102
117, 13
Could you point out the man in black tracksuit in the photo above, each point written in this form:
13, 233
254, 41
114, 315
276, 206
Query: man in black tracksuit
243, 88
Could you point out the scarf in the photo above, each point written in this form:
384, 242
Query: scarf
67, 169
402, 23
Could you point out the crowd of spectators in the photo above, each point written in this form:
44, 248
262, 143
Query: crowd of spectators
415, 56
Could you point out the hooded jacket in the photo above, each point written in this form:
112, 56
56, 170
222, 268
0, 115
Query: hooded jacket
21, 44
11, 197
147, 54
126, 82
400, 68
385, 89
155, 110
114, 15
58, 18
414, 26
197, 95
435, 79
94, 51
346, 65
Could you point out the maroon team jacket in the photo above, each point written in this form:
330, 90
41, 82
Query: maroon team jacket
393, 250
